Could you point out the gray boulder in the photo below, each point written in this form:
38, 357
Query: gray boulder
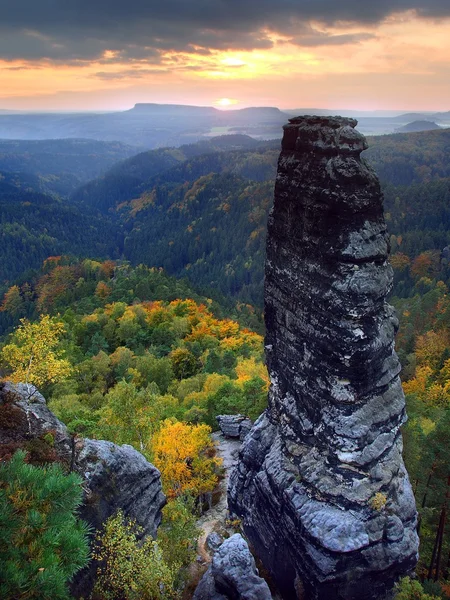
119, 477
213, 541
24, 416
230, 424
234, 426
232, 575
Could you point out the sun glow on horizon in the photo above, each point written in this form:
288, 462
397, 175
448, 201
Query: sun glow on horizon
226, 102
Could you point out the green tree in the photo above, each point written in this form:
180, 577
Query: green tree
13, 302
410, 589
132, 415
184, 363
43, 542
178, 535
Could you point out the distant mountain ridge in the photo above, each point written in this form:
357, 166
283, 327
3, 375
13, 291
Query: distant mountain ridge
418, 126
146, 124
153, 125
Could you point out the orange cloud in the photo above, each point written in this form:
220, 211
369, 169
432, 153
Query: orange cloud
401, 62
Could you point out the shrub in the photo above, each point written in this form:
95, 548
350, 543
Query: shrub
410, 589
128, 568
178, 535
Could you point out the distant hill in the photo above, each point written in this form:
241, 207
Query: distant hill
129, 179
147, 125
229, 115
202, 215
444, 116
423, 116
410, 158
418, 126
200, 210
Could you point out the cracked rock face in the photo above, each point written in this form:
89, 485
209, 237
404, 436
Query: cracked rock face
330, 439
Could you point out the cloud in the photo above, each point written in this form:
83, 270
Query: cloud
82, 30
129, 74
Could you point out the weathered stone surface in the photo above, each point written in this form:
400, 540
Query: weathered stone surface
118, 477
244, 428
213, 541
29, 418
330, 439
230, 424
232, 575
114, 477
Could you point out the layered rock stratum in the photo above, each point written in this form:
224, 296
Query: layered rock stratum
321, 487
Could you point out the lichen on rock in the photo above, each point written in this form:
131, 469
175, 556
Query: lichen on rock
330, 440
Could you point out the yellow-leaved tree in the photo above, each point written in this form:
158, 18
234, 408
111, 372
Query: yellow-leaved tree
34, 356
185, 455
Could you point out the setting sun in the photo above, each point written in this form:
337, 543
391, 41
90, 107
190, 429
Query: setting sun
224, 102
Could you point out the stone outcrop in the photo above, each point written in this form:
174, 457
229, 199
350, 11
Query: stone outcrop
114, 477
232, 575
321, 487
234, 426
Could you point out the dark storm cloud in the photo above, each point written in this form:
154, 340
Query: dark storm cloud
74, 30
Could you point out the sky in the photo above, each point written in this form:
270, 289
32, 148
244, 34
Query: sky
110, 54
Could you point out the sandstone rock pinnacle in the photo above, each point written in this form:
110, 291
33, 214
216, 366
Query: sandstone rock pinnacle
321, 487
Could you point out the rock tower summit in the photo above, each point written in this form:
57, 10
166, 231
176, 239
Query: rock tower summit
321, 487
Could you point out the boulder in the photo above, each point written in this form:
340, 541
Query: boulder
244, 428
213, 541
232, 575
230, 424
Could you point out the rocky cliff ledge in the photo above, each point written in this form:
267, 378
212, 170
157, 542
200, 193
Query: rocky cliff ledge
321, 487
114, 477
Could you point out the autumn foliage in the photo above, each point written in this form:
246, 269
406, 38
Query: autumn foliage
34, 356
185, 455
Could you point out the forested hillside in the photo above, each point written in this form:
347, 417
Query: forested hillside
142, 358
200, 210
182, 218
129, 178
34, 225
135, 357
59, 166
128, 329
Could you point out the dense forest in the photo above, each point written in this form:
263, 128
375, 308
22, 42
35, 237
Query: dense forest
175, 208
34, 225
60, 166
136, 357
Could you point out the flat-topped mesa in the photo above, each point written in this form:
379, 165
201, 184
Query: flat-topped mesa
321, 486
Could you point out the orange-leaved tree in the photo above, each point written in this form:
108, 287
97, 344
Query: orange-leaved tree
186, 458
